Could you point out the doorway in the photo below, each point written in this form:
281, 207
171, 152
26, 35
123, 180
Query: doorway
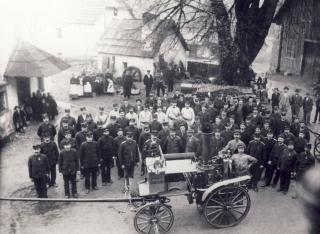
23, 89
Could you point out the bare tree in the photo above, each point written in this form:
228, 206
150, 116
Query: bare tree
238, 26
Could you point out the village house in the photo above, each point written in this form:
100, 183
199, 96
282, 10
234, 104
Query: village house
297, 50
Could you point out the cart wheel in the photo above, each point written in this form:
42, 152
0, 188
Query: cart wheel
316, 150
153, 218
226, 206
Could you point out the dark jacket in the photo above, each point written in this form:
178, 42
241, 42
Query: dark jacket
97, 133
269, 143
162, 135
142, 139
307, 104
193, 145
71, 121
276, 151
275, 99
217, 145
287, 160
173, 145
49, 129
148, 81
257, 150
299, 144
38, 166
68, 162
89, 154
80, 138
117, 142
113, 129
155, 125
304, 162
50, 149
128, 153
106, 147
135, 132
62, 133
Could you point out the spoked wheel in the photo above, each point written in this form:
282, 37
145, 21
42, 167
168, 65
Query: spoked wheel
153, 219
226, 206
316, 150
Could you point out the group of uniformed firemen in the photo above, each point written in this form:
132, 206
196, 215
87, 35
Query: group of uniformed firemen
258, 140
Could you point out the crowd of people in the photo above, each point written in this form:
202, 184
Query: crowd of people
258, 137
33, 109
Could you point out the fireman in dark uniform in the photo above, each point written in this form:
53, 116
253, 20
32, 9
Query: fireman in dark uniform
46, 128
173, 143
69, 119
151, 148
285, 166
38, 166
68, 139
269, 142
90, 161
106, 147
62, 131
256, 149
97, 133
132, 128
117, 142
50, 149
128, 158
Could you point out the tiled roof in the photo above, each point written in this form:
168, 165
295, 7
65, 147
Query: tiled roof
27, 60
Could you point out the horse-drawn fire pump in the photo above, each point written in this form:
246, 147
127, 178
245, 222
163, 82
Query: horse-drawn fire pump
221, 198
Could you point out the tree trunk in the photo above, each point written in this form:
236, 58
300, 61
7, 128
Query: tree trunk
252, 26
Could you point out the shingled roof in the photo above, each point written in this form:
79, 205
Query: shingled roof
27, 60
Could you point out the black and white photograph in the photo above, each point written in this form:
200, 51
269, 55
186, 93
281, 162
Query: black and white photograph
159, 116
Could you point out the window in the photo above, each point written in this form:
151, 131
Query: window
3, 100
40, 83
113, 63
115, 11
291, 49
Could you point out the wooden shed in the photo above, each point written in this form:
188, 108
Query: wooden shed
299, 43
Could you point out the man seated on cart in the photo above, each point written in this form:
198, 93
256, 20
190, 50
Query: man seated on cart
241, 162
151, 148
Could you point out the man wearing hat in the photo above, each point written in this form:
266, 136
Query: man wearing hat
106, 148
102, 117
295, 126
144, 136
287, 135
127, 85
241, 162
305, 161
148, 81
50, 149
266, 128
284, 103
296, 103
68, 138
269, 142
132, 128
227, 134
90, 161
275, 98
217, 144
46, 128
317, 112
193, 143
173, 143
70, 120
97, 133
117, 142
150, 149
163, 134
278, 149
128, 158
307, 108
154, 124
81, 117
39, 168
285, 166
91, 125
113, 127
256, 149
68, 166
62, 131
233, 144
300, 142
283, 123
182, 133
